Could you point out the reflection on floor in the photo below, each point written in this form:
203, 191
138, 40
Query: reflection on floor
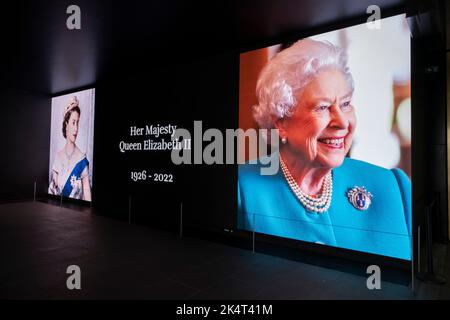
120, 261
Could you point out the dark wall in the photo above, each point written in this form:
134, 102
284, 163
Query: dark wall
25, 141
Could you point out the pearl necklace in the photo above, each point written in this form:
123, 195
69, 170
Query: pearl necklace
318, 204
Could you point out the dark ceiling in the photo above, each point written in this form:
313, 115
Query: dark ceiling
40, 54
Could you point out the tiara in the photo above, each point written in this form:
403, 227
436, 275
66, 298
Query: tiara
73, 102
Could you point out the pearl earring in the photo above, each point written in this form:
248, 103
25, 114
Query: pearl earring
283, 140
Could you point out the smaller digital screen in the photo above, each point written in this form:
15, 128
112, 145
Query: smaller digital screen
71, 145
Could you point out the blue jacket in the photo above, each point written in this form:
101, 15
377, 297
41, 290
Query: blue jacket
267, 205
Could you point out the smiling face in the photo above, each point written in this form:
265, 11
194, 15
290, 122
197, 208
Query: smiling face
72, 126
320, 131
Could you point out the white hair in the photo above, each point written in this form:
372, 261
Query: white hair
288, 72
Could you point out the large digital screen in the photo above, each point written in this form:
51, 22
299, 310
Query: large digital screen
341, 104
71, 145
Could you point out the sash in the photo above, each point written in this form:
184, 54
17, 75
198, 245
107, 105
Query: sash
77, 170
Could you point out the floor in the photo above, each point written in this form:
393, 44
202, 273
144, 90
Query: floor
121, 261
